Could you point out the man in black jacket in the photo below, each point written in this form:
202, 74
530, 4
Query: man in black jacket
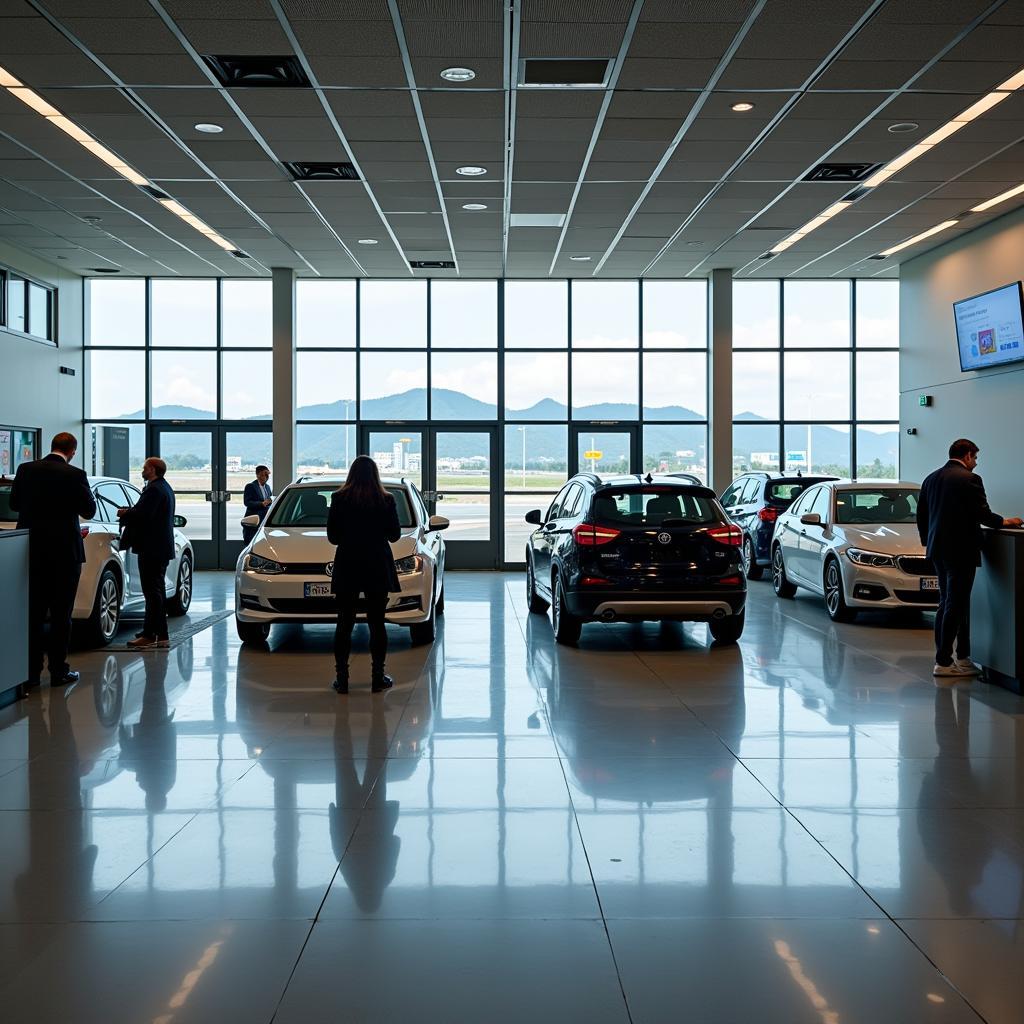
950, 514
148, 530
257, 497
49, 496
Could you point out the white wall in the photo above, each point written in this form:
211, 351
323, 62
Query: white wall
33, 391
988, 405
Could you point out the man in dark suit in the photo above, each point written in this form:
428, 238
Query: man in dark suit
49, 496
148, 530
950, 514
257, 497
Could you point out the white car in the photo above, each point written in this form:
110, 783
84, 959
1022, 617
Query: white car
857, 545
284, 575
109, 587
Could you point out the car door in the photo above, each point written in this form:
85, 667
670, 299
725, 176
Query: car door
730, 496
815, 539
560, 537
131, 560
109, 498
747, 504
541, 541
790, 533
432, 539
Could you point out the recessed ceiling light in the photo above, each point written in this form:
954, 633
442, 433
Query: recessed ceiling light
209, 129
458, 74
470, 171
903, 127
474, 206
580, 259
742, 108
367, 241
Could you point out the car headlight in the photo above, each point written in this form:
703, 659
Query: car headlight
411, 563
257, 563
872, 558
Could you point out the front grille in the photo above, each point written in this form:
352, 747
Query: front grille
918, 596
305, 569
916, 566
309, 605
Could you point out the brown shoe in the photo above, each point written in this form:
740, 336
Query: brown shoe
162, 643
142, 643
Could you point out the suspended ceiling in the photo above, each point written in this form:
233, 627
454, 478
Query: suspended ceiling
656, 176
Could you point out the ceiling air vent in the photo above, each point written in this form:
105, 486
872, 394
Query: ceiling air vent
101, 270
238, 254
841, 172
305, 170
249, 71
154, 192
432, 264
564, 72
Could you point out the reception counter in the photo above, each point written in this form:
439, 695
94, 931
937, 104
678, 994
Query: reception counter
997, 610
13, 613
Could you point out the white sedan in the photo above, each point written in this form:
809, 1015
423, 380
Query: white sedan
284, 575
110, 587
857, 545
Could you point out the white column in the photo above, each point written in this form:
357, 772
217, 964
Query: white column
720, 381
283, 421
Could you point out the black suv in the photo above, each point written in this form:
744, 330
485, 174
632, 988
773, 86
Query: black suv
631, 548
753, 502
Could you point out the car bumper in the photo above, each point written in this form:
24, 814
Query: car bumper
885, 588
631, 606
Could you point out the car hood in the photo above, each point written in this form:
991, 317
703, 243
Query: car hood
889, 539
307, 544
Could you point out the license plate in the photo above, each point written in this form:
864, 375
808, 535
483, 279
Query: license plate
930, 583
316, 590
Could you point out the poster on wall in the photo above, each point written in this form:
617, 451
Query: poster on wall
5, 453
26, 447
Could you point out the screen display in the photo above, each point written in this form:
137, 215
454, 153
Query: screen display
990, 328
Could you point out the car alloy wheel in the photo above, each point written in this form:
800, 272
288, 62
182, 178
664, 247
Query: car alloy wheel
833, 587
185, 584
110, 607
778, 572
747, 556
556, 605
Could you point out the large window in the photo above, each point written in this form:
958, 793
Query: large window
815, 377
26, 306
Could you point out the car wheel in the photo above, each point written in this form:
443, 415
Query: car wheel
835, 600
780, 581
534, 601
752, 570
439, 607
182, 600
253, 632
422, 633
567, 627
729, 629
100, 627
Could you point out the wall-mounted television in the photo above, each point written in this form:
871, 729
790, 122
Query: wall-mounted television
990, 327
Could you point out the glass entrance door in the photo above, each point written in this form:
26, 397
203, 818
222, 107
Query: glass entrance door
605, 450
208, 467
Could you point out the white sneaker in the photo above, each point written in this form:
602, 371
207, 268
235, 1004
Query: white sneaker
968, 666
951, 670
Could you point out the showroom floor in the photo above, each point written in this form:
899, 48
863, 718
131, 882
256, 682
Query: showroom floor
803, 828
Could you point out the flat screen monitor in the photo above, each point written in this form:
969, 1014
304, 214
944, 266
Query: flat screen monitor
990, 327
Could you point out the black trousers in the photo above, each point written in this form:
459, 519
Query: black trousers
953, 617
152, 577
51, 590
376, 605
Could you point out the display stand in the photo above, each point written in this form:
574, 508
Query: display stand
997, 610
13, 614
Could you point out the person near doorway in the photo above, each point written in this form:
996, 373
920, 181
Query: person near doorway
148, 530
362, 523
49, 496
951, 511
257, 497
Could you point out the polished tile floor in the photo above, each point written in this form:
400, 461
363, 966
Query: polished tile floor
803, 828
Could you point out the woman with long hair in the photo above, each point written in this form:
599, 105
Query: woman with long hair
363, 523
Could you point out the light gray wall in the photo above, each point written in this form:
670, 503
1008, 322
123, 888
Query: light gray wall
986, 406
33, 391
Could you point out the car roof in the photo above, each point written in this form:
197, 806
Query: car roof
96, 480
315, 481
628, 479
868, 485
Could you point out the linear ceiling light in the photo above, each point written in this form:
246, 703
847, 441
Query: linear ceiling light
811, 225
996, 200
918, 238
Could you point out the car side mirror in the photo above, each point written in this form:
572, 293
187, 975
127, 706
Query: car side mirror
250, 520
535, 517
438, 523
180, 522
811, 519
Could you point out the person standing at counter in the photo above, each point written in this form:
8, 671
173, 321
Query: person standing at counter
950, 514
49, 496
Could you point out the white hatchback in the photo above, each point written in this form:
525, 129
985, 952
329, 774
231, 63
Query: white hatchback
284, 575
857, 545
110, 587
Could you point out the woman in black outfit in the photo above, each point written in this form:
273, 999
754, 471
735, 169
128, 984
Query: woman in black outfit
362, 522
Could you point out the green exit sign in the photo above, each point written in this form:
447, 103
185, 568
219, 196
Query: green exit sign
924, 399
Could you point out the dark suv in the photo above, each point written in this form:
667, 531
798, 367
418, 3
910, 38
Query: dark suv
631, 548
753, 502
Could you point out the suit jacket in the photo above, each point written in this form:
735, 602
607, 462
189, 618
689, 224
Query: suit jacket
363, 561
148, 527
253, 498
49, 496
951, 512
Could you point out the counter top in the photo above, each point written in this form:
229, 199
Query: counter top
13, 533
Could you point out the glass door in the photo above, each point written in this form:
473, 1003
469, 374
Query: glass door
242, 449
603, 449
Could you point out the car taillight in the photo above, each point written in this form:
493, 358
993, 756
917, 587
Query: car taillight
768, 514
731, 581
730, 535
85, 531
590, 535
594, 581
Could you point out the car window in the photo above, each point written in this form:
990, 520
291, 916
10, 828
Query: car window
782, 494
729, 497
417, 499
642, 506
803, 503
109, 498
821, 503
555, 506
878, 505
750, 489
308, 506
132, 494
571, 505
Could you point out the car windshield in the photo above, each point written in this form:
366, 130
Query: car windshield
651, 506
782, 493
881, 505
7, 514
307, 506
